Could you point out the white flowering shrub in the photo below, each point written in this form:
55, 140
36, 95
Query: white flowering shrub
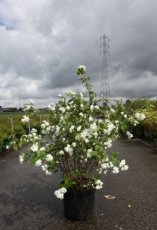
75, 140
126, 122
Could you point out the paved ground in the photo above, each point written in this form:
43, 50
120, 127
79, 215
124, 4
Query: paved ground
27, 201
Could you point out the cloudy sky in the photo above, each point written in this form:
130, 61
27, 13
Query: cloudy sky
43, 41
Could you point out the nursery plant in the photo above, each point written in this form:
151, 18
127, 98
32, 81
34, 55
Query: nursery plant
75, 141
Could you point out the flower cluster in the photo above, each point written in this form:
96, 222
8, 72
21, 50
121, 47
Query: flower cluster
140, 116
60, 193
125, 121
32, 137
130, 135
135, 120
25, 119
108, 164
81, 70
29, 107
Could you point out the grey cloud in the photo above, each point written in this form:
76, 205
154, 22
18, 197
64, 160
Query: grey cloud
47, 46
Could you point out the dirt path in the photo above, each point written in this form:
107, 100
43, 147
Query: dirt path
27, 200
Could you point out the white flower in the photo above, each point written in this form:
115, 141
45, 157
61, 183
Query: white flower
140, 116
25, 119
105, 166
84, 134
82, 69
34, 134
60, 193
63, 190
90, 118
81, 94
108, 143
89, 150
48, 172
78, 128
71, 128
81, 114
21, 158
34, 148
48, 129
130, 135
51, 107
122, 163
33, 130
110, 127
38, 163
68, 149
98, 184
93, 127
85, 159
74, 144
49, 158
68, 107
57, 128
91, 107
125, 168
46, 123
96, 107
100, 171
135, 123
61, 152
86, 140
89, 153
7, 147
44, 167
62, 109
107, 159
125, 115
95, 134
43, 126
115, 170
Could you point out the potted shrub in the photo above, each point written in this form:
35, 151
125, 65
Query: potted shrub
78, 142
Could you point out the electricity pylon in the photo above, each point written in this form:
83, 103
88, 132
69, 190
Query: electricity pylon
104, 79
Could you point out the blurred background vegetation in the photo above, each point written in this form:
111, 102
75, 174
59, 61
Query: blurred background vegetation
11, 125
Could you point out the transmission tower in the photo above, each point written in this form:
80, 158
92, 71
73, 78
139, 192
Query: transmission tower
104, 79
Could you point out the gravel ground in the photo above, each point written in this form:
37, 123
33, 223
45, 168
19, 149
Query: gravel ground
27, 201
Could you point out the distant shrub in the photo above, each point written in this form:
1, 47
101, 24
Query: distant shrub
140, 104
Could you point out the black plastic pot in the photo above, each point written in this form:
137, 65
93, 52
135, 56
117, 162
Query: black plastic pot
79, 204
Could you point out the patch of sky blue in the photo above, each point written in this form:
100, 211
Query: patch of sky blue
7, 25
